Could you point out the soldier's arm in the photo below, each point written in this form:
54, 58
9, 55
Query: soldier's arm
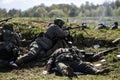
60, 32
2, 45
13, 42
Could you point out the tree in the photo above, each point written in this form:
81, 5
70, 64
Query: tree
56, 13
108, 11
3, 12
40, 12
14, 13
116, 12
117, 3
74, 11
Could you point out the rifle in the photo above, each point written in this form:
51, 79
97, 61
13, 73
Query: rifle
5, 19
103, 53
70, 27
75, 27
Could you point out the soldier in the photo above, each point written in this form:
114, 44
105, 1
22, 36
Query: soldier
69, 60
52, 37
84, 25
101, 26
9, 45
115, 26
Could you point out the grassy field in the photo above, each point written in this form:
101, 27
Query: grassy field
33, 70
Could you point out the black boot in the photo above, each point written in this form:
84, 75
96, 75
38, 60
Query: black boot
103, 71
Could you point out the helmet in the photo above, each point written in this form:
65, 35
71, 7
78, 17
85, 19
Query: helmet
59, 22
116, 23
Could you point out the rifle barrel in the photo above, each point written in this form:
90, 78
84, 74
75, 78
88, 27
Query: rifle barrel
5, 19
72, 27
105, 52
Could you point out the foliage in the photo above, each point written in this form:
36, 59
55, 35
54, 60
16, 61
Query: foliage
56, 13
69, 10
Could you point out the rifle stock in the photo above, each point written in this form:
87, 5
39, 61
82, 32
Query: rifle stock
5, 19
75, 27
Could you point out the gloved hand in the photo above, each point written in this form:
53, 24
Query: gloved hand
67, 32
45, 72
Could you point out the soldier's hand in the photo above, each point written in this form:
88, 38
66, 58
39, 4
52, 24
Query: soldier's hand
45, 72
67, 32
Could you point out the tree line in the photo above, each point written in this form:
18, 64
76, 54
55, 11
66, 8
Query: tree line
109, 9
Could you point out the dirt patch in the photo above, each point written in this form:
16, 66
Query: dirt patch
89, 42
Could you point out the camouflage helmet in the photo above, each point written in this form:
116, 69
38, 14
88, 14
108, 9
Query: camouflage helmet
59, 22
8, 26
116, 23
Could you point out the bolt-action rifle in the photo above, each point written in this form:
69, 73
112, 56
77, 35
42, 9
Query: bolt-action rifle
5, 20
77, 27
103, 53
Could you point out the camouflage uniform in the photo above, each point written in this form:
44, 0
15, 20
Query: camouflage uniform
44, 43
101, 26
70, 59
115, 26
9, 45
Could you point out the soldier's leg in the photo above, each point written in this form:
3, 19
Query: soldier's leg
85, 68
3, 63
59, 44
30, 56
64, 69
88, 68
42, 54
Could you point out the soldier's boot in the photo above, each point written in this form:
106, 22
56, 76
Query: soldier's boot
13, 64
93, 70
103, 71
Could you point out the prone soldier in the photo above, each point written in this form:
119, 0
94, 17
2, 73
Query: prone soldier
115, 26
101, 26
69, 60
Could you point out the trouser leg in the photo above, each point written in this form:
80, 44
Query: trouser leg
4, 63
84, 68
59, 44
41, 54
65, 69
34, 50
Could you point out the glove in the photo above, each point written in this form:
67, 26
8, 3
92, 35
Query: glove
67, 32
45, 72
